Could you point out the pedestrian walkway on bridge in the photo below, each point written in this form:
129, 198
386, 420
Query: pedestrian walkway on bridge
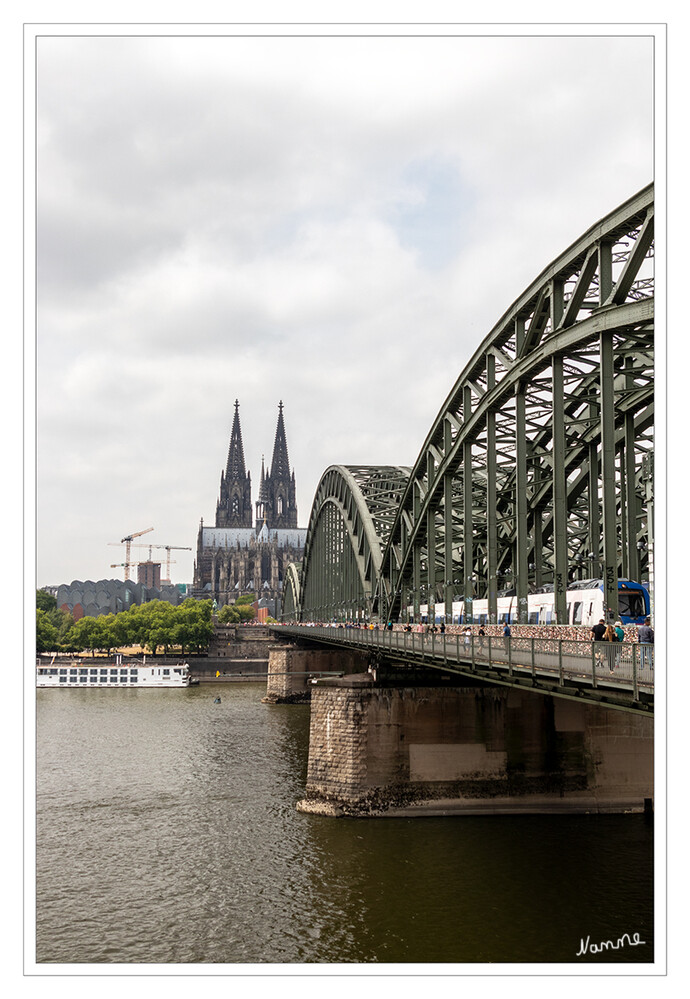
620, 674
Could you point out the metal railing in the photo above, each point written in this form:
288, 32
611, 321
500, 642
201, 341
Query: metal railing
621, 666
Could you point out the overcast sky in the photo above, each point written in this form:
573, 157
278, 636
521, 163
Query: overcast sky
331, 222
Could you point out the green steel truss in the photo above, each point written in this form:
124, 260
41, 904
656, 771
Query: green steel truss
536, 470
352, 516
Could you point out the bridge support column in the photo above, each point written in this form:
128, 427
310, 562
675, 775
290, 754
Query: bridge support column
290, 670
378, 749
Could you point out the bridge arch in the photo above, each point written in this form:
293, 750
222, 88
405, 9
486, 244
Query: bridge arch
537, 468
353, 511
291, 593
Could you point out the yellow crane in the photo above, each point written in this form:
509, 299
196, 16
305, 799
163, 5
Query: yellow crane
127, 540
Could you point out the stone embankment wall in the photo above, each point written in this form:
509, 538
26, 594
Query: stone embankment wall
234, 651
443, 750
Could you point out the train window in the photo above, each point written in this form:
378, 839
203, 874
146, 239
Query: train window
533, 617
631, 603
577, 612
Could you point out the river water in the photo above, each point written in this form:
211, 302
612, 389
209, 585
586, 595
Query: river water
167, 833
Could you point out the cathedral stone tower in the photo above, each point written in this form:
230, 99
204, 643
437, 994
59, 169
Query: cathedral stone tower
277, 504
235, 557
234, 507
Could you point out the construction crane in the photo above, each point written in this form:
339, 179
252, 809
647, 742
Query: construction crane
127, 540
168, 549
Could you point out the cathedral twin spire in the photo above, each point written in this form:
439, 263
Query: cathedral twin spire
235, 466
276, 506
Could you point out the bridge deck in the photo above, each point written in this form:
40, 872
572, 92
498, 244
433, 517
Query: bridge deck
619, 675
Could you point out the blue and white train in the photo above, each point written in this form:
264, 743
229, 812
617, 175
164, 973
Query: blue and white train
585, 601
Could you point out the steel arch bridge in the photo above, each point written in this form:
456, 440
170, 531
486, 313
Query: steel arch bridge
536, 471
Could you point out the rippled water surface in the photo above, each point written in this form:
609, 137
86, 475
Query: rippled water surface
167, 832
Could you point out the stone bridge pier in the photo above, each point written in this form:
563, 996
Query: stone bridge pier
402, 747
291, 669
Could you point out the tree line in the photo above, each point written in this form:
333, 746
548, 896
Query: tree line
152, 626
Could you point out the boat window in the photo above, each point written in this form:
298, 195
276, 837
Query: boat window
62, 671
166, 672
134, 672
134, 679
113, 671
113, 679
83, 679
104, 672
93, 672
63, 679
83, 672
73, 672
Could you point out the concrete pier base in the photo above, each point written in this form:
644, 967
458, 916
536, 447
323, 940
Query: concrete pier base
475, 750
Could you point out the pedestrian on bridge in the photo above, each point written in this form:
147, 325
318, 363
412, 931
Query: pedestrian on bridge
620, 637
598, 631
611, 640
645, 636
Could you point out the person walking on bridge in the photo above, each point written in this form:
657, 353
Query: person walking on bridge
620, 638
611, 640
645, 636
598, 631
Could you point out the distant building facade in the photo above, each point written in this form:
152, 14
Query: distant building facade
149, 574
247, 550
86, 598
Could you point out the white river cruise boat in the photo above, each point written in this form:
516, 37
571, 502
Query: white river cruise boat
79, 674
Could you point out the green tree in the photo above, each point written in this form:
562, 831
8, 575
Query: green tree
89, 633
46, 633
155, 624
45, 601
236, 613
193, 625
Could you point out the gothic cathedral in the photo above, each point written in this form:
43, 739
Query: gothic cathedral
236, 556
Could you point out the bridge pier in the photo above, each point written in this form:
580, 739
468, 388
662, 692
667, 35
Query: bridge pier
405, 749
290, 670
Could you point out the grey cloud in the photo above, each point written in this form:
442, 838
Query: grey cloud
213, 225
